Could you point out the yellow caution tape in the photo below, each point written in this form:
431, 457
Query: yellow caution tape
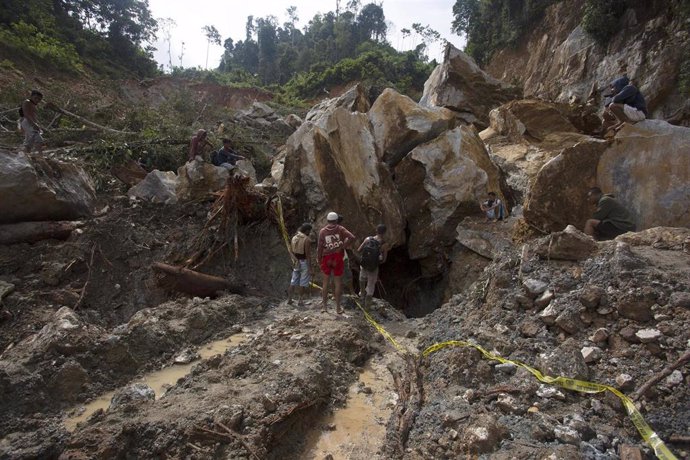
650, 437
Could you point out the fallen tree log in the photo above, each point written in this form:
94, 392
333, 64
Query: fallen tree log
194, 283
30, 232
55, 108
130, 173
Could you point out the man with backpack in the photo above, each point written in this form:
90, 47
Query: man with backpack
373, 253
28, 113
333, 241
300, 248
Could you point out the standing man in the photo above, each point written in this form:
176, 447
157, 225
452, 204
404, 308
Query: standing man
300, 248
610, 219
227, 156
198, 144
373, 251
333, 240
29, 122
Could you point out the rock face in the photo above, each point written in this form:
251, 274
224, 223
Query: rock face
37, 188
399, 124
460, 85
570, 244
648, 169
197, 179
157, 187
434, 210
558, 196
557, 60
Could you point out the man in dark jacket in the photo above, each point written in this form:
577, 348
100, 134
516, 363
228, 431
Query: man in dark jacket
226, 157
626, 105
610, 219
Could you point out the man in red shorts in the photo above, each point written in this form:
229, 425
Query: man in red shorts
333, 240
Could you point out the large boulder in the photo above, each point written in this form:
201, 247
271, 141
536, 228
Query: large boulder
353, 100
332, 164
647, 168
35, 188
452, 185
460, 85
157, 187
524, 135
558, 195
400, 124
196, 180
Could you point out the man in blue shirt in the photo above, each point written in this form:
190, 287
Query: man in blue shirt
226, 157
626, 105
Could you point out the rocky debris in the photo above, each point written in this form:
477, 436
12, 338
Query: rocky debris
156, 187
625, 381
461, 86
591, 354
637, 304
130, 172
672, 238
5, 289
482, 434
677, 299
648, 335
675, 379
544, 299
592, 296
648, 169
261, 116
35, 188
600, 335
567, 435
534, 287
557, 197
186, 356
132, 397
570, 244
484, 243
399, 124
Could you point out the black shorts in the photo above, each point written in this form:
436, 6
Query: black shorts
608, 231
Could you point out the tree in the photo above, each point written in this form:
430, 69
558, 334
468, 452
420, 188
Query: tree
372, 22
166, 26
212, 36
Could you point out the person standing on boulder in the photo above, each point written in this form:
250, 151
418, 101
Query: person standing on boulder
300, 248
198, 144
333, 240
373, 251
627, 104
610, 219
29, 122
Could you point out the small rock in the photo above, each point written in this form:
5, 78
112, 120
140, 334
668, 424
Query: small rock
523, 301
603, 311
330, 427
680, 299
549, 392
600, 335
544, 299
469, 395
506, 368
501, 328
411, 334
443, 441
567, 435
648, 335
534, 287
296, 337
507, 403
453, 434
591, 296
5, 289
675, 379
366, 390
628, 452
625, 381
549, 315
637, 305
591, 354
186, 356
132, 395
569, 321
277, 362
628, 334
269, 405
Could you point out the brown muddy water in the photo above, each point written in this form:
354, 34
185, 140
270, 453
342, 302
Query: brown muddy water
159, 380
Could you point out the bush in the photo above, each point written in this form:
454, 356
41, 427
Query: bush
601, 18
25, 39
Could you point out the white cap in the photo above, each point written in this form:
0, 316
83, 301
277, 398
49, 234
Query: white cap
332, 217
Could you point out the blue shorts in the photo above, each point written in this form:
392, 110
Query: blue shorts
300, 274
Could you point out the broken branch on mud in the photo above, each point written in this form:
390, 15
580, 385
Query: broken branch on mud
194, 283
665, 372
88, 279
30, 232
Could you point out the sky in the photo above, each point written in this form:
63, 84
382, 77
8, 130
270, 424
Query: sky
230, 17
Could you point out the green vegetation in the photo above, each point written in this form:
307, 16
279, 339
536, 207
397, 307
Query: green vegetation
601, 18
68, 35
490, 25
333, 49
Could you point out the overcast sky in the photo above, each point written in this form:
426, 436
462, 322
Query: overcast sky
230, 17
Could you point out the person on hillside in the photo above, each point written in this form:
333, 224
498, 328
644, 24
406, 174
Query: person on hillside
333, 240
626, 104
33, 133
373, 251
198, 145
226, 157
300, 248
610, 219
493, 208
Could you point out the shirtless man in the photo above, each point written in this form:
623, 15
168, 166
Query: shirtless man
198, 144
29, 122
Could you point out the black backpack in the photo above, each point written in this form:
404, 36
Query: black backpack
370, 254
